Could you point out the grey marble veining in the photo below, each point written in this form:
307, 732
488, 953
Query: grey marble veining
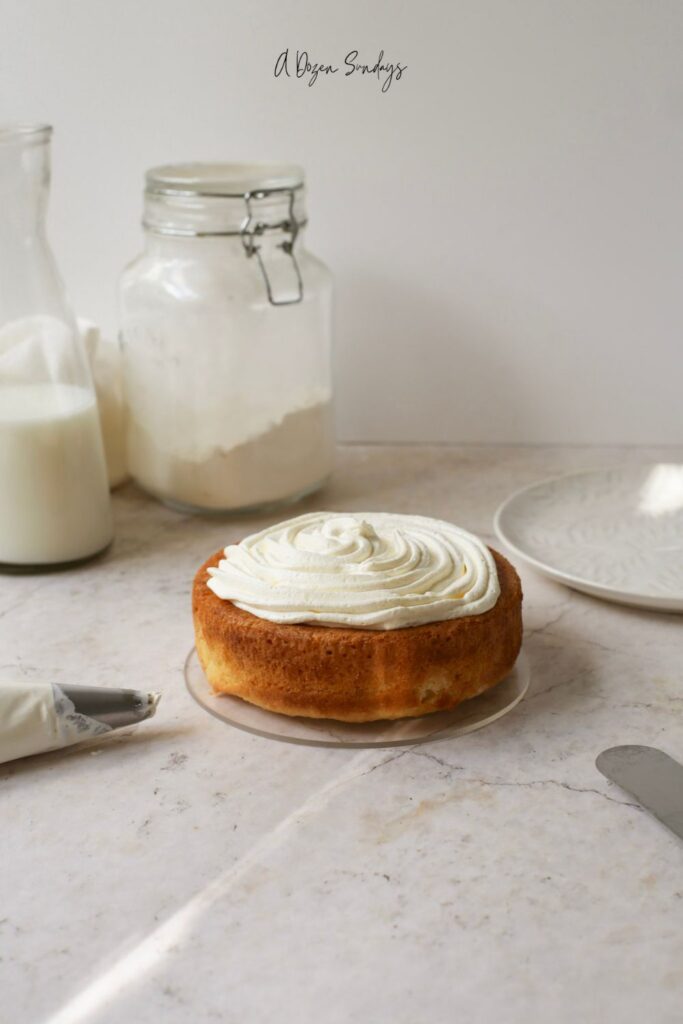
184, 872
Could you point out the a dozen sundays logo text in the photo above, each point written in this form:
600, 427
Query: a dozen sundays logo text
300, 66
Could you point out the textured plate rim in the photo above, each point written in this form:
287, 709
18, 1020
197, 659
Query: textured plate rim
521, 665
634, 598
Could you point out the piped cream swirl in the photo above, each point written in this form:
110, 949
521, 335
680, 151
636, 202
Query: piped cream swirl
370, 570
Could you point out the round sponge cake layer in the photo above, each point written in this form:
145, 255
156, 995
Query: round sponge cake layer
356, 675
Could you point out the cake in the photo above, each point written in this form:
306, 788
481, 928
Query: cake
357, 617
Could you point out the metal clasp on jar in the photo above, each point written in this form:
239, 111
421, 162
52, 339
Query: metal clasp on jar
252, 231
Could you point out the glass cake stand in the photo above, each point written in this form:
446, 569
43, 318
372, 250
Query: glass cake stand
326, 732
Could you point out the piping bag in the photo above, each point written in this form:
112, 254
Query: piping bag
36, 717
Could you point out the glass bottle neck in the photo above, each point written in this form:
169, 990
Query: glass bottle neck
24, 183
192, 216
230, 242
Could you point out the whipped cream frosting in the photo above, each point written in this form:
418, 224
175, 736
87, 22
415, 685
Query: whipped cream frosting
369, 570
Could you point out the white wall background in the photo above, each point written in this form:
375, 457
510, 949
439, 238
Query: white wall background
505, 224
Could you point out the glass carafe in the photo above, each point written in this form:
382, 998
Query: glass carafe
54, 495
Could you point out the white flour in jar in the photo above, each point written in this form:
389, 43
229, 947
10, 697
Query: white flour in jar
285, 458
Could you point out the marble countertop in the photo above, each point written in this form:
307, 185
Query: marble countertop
186, 872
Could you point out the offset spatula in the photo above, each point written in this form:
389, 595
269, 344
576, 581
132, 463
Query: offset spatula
651, 776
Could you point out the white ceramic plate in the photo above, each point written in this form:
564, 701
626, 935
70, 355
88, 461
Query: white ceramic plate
614, 533
324, 732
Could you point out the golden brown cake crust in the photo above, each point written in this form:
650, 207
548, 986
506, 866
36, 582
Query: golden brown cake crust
356, 675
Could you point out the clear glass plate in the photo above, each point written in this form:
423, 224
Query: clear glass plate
325, 732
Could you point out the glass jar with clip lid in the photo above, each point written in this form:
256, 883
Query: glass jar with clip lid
226, 333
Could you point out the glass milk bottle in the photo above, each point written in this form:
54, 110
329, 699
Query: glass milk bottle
54, 496
226, 341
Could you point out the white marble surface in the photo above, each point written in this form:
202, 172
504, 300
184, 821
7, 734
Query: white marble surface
187, 872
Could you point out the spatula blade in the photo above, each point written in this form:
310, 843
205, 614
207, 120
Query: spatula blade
651, 776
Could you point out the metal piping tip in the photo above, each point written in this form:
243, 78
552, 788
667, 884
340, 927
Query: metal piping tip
113, 707
153, 698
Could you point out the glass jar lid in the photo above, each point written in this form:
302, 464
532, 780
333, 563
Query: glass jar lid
226, 180
224, 198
